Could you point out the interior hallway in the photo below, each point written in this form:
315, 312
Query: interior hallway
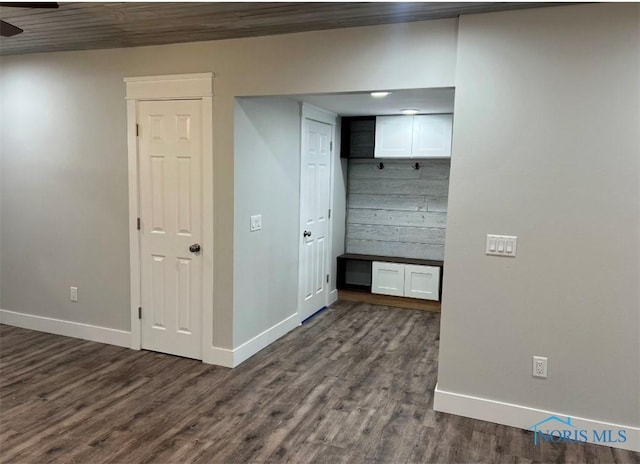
354, 384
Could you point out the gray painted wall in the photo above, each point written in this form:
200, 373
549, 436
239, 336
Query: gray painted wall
531, 157
397, 211
64, 208
267, 153
547, 148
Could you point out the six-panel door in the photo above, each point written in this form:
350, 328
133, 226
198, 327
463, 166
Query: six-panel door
171, 211
314, 214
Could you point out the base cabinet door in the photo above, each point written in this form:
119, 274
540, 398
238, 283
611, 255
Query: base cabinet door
422, 282
387, 278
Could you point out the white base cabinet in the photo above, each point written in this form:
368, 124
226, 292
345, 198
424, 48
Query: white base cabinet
408, 280
387, 278
422, 282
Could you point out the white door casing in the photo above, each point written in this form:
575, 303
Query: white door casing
315, 202
169, 140
198, 88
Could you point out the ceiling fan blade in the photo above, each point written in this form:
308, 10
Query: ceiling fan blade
30, 4
8, 30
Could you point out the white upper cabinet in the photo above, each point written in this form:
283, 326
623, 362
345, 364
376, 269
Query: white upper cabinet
394, 136
432, 135
419, 136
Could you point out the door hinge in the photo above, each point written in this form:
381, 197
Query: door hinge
327, 278
331, 146
329, 213
138, 223
139, 312
137, 130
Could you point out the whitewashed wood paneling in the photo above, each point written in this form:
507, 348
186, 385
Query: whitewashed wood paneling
394, 202
400, 169
399, 210
400, 218
438, 187
421, 235
400, 249
436, 204
373, 232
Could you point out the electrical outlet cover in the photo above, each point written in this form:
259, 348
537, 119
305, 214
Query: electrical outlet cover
540, 367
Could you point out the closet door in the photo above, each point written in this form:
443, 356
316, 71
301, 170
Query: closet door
387, 278
432, 135
394, 135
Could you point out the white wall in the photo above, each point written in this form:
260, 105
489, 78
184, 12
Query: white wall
64, 157
546, 147
267, 182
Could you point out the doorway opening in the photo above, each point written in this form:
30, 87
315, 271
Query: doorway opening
383, 207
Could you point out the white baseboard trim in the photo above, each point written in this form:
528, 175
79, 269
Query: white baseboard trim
524, 417
232, 358
218, 356
333, 297
67, 328
262, 340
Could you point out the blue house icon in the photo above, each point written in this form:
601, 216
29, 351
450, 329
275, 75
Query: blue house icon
534, 427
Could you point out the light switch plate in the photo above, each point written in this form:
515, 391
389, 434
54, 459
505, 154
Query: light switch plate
256, 222
501, 245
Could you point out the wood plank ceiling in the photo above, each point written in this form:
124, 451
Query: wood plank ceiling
83, 26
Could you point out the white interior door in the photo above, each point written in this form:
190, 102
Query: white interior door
314, 215
170, 148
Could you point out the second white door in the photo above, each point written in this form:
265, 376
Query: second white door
170, 148
314, 215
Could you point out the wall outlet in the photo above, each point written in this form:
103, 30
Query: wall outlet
540, 367
73, 293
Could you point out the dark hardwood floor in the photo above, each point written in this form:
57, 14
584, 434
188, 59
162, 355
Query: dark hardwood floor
355, 384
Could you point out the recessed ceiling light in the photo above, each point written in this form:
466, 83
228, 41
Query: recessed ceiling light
409, 111
380, 94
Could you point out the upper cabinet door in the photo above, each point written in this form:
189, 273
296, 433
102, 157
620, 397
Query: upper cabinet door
432, 135
394, 135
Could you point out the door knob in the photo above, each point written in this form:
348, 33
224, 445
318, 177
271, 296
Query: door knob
306, 233
195, 248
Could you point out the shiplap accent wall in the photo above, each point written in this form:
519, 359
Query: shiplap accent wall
397, 211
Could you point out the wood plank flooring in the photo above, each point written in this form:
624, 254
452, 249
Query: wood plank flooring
355, 384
